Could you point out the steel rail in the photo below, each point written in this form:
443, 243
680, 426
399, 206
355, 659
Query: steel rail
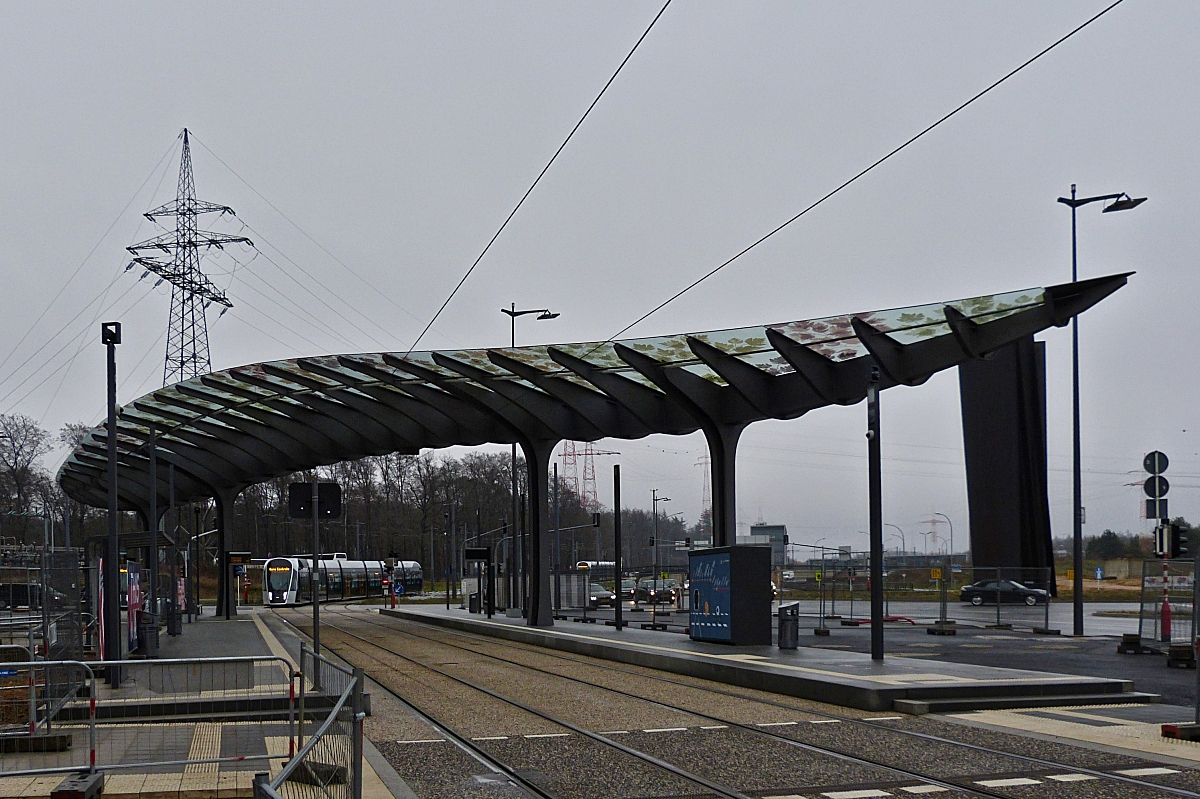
635, 753
1050, 764
812, 748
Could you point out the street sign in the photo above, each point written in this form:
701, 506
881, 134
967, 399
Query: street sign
239, 558
329, 500
818, 577
475, 553
935, 574
1156, 486
1156, 462
1156, 509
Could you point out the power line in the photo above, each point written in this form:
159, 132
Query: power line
304, 233
857, 176
538, 179
74, 274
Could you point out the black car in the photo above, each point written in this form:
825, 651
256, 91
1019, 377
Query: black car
628, 589
658, 591
599, 595
1006, 591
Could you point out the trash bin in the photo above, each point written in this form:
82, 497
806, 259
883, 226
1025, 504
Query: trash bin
473, 603
789, 625
148, 633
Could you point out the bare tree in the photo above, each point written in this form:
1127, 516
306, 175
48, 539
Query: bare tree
22, 442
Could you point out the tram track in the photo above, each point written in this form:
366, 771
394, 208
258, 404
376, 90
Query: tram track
1042, 763
894, 774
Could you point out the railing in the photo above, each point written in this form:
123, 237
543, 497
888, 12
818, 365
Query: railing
329, 763
168, 716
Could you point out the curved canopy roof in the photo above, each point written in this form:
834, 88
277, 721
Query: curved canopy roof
230, 429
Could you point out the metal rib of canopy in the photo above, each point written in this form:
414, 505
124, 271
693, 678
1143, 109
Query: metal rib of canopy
234, 428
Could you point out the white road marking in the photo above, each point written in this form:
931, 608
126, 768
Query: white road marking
722, 727
492, 738
774, 724
614, 732
1011, 782
883, 718
866, 793
1070, 777
785, 796
1146, 772
549, 735
425, 741
668, 729
827, 721
924, 789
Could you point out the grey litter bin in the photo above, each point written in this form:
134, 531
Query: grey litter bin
789, 625
473, 603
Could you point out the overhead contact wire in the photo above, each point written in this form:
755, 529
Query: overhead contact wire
860, 174
538, 179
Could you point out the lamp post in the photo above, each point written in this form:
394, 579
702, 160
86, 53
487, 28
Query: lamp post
947, 518
926, 537
902, 542
110, 336
655, 499
543, 314
1120, 202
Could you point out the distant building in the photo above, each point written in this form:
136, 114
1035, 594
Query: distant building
773, 534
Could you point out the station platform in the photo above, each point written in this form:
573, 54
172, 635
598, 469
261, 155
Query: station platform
849, 679
153, 733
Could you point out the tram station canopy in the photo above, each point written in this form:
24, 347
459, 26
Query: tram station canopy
230, 429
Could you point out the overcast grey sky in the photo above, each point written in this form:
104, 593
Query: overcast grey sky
399, 135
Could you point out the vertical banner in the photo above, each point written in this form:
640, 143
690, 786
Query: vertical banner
134, 572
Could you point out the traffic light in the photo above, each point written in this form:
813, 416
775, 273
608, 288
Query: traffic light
1179, 540
651, 542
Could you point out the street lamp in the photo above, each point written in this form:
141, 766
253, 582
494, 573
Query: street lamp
947, 518
655, 499
926, 537
902, 543
543, 315
1121, 202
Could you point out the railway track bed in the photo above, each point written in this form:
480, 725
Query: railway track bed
510, 717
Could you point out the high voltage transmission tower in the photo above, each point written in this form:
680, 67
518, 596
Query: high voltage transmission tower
191, 290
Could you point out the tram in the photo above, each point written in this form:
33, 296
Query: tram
286, 580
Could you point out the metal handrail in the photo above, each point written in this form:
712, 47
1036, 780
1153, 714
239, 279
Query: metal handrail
313, 740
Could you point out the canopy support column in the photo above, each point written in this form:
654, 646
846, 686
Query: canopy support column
537, 460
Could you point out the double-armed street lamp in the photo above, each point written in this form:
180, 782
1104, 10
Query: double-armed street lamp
1120, 202
543, 315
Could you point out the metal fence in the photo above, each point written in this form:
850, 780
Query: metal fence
328, 763
999, 597
203, 724
1166, 611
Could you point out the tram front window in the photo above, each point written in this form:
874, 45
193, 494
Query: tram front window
279, 577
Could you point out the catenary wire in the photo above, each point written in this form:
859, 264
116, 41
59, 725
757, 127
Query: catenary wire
304, 233
862, 173
86, 258
538, 179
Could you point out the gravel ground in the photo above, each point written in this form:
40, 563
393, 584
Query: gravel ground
577, 767
443, 771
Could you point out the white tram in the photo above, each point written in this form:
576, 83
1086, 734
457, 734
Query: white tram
286, 580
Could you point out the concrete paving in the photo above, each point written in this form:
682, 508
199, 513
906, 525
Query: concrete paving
840, 677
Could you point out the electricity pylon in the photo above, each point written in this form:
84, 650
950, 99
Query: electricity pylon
191, 290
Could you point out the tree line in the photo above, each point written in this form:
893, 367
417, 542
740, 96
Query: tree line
412, 507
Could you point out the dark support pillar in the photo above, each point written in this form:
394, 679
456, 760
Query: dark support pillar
617, 545
225, 605
537, 459
875, 481
152, 561
722, 448
111, 336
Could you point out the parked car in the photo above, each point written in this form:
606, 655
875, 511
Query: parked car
599, 595
1006, 591
628, 589
651, 590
